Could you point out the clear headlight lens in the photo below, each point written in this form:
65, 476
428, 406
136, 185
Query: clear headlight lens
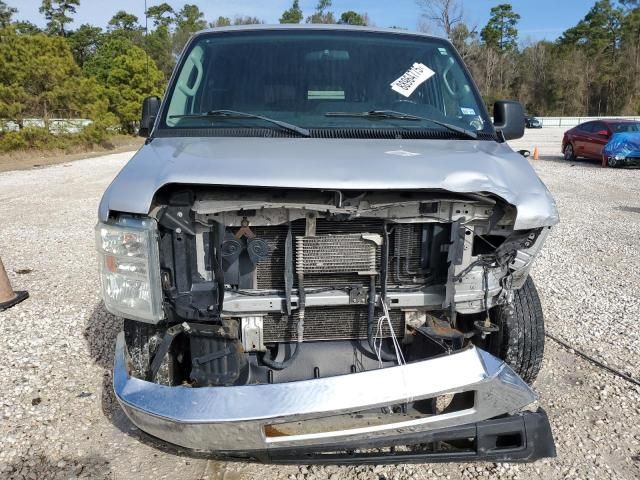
130, 268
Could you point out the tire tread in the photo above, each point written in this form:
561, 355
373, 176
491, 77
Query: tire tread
520, 340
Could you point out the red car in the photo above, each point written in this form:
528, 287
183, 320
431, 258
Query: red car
588, 139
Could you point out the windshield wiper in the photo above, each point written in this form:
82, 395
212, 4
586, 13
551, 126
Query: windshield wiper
393, 115
233, 114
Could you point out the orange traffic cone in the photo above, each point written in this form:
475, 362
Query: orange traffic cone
9, 298
536, 154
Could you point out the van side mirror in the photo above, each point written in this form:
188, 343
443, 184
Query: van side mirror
150, 109
508, 118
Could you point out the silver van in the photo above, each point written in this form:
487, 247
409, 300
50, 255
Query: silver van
322, 254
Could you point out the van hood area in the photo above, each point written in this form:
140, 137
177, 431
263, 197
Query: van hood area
457, 166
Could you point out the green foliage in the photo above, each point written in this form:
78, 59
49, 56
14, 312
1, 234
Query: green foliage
592, 69
43, 85
129, 83
128, 75
84, 42
191, 18
353, 18
159, 45
238, 20
188, 21
99, 65
501, 32
58, 14
41, 139
99, 132
26, 28
6, 14
162, 15
247, 20
221, 22
126, 23
599, 31
11, 141
322, 15
48, 86
292, 15
463, 39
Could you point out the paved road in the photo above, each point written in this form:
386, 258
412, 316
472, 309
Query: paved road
59, 419
548, 141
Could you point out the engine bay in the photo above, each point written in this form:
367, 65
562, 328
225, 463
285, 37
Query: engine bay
272, 286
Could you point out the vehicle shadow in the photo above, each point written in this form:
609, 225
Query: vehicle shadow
580, 162
100, 333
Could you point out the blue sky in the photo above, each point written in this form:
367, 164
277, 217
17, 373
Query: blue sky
540, 18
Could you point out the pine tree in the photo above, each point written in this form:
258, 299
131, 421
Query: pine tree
293, 15
6, 14
58, 14
501, 32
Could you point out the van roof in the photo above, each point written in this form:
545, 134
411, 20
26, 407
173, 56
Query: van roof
329, 27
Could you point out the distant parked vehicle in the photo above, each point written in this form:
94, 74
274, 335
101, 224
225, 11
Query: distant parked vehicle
588, 139
532, 122
623, 150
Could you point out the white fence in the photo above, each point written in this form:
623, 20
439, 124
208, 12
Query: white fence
56, 125
573, 121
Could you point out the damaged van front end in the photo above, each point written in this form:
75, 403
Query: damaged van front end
292, 298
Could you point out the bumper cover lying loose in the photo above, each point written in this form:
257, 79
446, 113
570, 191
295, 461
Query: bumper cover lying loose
235, 421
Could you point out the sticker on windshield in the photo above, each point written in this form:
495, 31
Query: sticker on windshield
443, 51
415, 76
467, 111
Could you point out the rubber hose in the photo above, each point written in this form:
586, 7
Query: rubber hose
271, 363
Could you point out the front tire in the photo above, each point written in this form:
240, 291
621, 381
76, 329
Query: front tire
569, 153
520, 338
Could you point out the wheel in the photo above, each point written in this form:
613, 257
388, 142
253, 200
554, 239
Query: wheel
519, 340
569, 153
612, 162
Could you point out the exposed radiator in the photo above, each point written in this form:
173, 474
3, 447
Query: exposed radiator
404, 262
270, 272
333, 258
352, 253
327, 323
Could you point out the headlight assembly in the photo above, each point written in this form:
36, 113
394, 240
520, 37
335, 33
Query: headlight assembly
130, 268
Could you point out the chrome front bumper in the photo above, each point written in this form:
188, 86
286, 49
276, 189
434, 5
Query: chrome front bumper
238, 419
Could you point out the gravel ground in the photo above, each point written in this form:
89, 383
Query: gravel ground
59, 418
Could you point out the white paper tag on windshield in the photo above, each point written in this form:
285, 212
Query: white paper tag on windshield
415, 76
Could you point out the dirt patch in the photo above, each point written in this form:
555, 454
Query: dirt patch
25, 160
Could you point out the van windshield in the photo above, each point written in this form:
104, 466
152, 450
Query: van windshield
322, 79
